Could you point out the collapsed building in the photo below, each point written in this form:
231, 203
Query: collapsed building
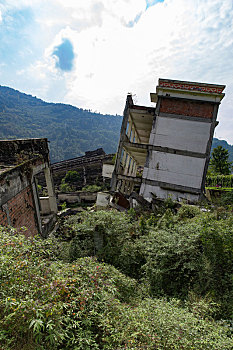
20, 205
89, 168
164, 151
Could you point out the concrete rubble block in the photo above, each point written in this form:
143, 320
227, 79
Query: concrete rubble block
102, 200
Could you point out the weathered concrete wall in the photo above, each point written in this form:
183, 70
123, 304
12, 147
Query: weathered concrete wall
45, 206
107, 170
150, 190
175, 169
77, 197
15, 179
180, 134
102, 200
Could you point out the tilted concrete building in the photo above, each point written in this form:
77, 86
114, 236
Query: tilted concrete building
170, 144
20, 205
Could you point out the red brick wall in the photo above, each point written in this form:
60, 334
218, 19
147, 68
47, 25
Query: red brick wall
3, 218
22, 212
185, 107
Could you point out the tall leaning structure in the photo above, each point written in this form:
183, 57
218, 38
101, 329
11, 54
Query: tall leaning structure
170, 144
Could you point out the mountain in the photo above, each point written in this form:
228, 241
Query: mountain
70, 130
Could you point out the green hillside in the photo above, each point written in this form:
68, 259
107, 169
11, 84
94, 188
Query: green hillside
70, 130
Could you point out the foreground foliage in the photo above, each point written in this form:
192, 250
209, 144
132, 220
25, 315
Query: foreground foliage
48, 304
174, 253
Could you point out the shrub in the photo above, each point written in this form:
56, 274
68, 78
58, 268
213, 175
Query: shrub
64, 187
71, 177
92, 188
111, 236
192, 255
69, 181
173, 255
188, 211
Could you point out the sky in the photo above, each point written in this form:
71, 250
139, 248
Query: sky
91, 53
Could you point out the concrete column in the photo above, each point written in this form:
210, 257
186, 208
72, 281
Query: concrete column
84, 176
129, 128
37, 206
126, 165
135, 168
122, 187
131, 187
6, 210
119, 185
131, 167
126, 187
49, 184
132, 135
124, 156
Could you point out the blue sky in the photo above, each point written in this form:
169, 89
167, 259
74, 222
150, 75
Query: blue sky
64, 54
92, 53
152, 2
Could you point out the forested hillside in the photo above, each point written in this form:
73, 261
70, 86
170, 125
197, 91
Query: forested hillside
70, 130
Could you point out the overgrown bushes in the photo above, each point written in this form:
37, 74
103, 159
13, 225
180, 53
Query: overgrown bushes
49, 304
174, 254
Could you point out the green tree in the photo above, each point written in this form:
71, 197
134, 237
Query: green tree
219, 162
69, 181
72, 176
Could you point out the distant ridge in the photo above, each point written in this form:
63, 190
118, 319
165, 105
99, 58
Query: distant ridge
71, 131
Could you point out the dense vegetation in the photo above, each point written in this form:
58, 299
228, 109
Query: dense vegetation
70, 130
111, 280
172, 254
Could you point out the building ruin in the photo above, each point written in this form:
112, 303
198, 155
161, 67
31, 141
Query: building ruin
88, 166
20, 205
164, 151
